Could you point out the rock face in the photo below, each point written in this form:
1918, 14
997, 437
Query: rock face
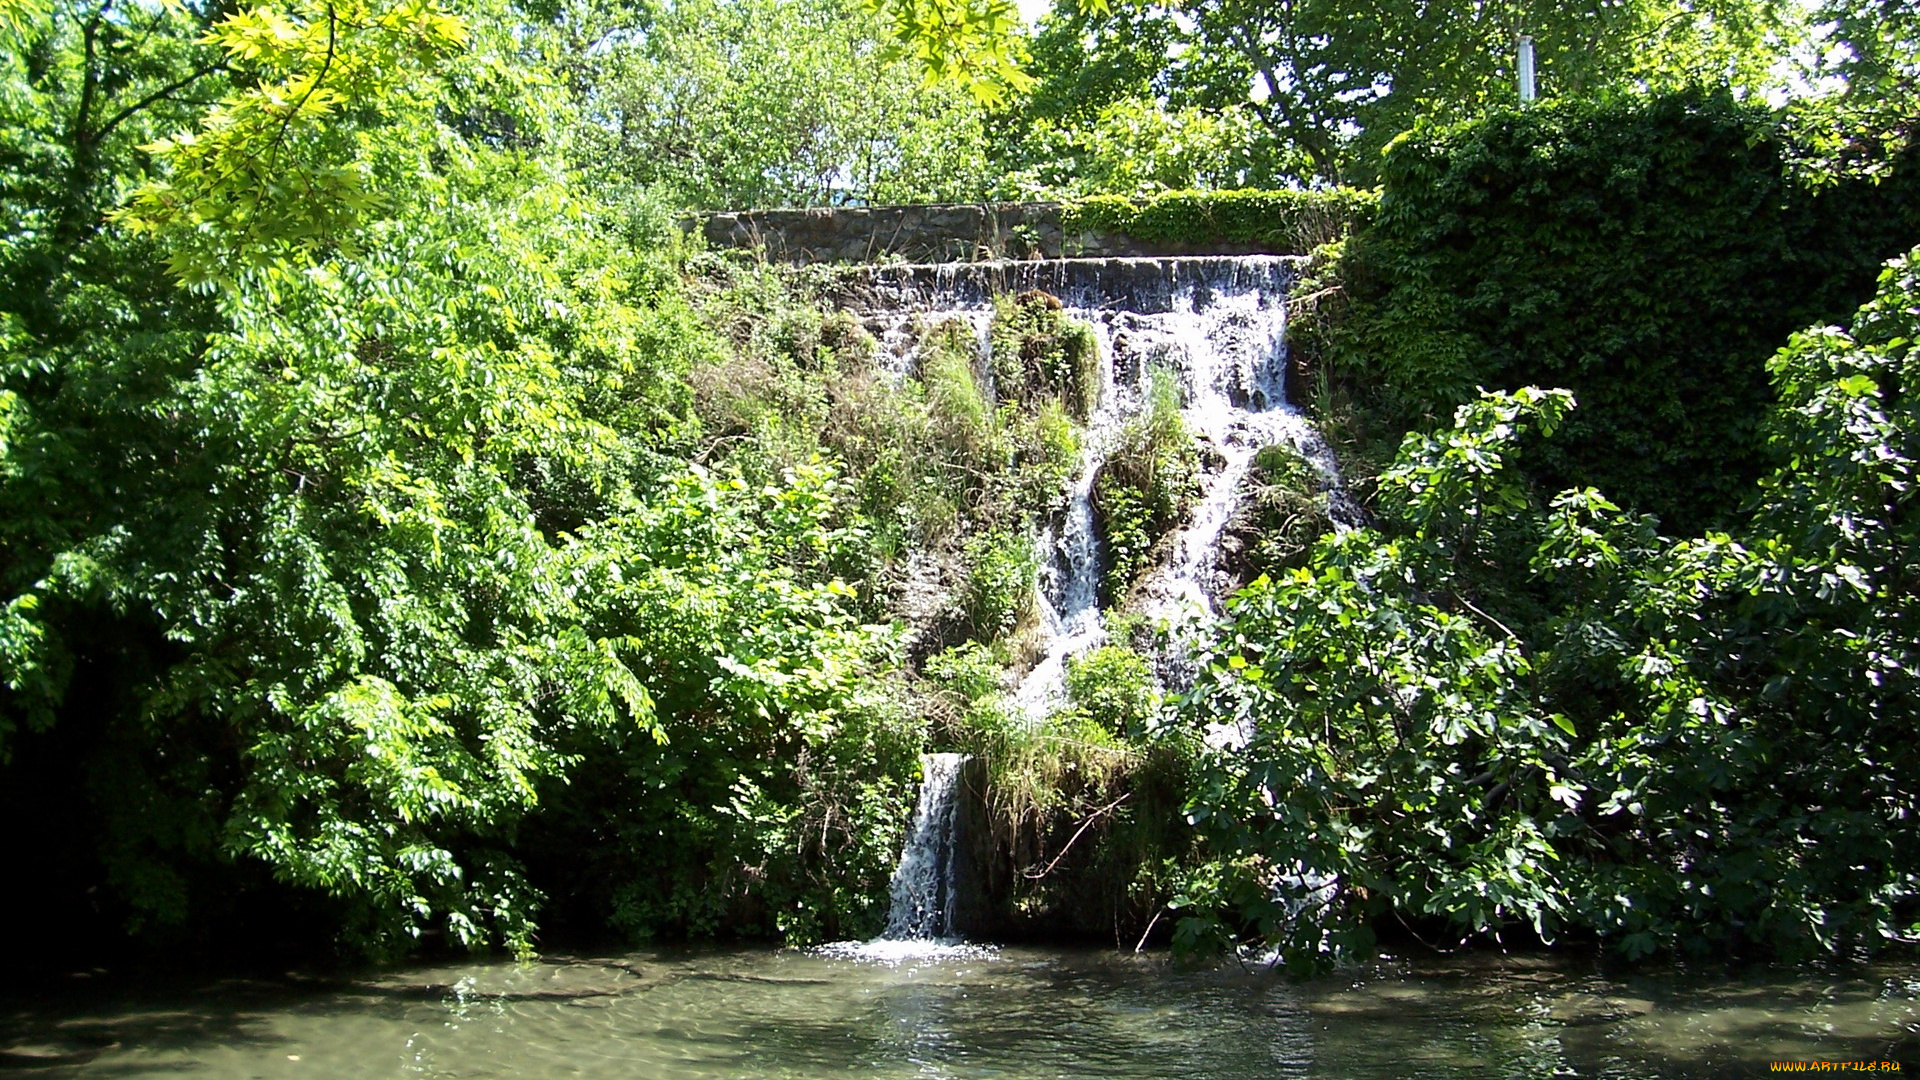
931, 233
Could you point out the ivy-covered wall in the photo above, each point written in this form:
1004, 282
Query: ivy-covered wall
1284, 222
1108, 226
1648, 254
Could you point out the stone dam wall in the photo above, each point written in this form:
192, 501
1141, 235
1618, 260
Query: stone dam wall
953, 232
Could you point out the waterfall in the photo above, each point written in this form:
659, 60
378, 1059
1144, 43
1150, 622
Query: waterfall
927, 885
1215, 323
1068, 592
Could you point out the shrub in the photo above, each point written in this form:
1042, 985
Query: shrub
1284, 512
998, 592
1145, 487
1505, 711
1039, 353
1114, 687
1046, 452
1646, 253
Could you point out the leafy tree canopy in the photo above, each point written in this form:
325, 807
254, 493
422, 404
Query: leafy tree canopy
338, 506
1329, 82
743, 103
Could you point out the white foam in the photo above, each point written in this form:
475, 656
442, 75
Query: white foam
893, 952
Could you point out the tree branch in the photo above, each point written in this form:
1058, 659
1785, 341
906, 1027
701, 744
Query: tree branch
1084, 826
171, 88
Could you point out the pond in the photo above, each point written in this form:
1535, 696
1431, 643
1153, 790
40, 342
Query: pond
968, 1012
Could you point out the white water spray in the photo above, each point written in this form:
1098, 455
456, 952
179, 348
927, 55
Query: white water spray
927, 884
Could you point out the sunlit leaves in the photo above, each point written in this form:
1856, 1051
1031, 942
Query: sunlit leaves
701, 106
1333, 81
1441, 481
973, 42
272, 171
17, 15
1873, 47
321, 506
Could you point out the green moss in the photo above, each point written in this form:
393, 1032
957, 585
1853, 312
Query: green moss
1281, 221
1039, 353
1145, 488
1285, 513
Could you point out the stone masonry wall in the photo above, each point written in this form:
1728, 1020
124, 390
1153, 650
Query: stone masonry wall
955, 232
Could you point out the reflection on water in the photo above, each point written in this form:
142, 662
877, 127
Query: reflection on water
965, 1013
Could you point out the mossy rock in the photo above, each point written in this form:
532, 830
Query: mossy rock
1040, 352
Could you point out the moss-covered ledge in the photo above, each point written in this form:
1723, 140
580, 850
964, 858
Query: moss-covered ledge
1272, 222
1248, 222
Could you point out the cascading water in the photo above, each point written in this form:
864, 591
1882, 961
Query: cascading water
1068, 593
927, 884
1218, 325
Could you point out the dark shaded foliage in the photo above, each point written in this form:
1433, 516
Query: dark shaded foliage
1648, 254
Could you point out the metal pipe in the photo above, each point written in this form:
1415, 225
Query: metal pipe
1526, 69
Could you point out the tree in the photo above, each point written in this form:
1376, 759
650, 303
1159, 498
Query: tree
701, 98
1332, 81
972, 42
342, 507
1135, 146
284, 521
1875, 60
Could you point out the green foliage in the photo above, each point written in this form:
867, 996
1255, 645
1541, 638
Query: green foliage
1333, 81
1501, 712
349, 640
1873, 45
381, 543
1281, 221
1038, 773
944, 471
1113, 686
965, 422
400, 524
1145, 487
973, 43
970, 678
1647, 254
794, 383
700, 99
272, 171
773, 800
995, 443
1084, 810
1046, 456
1038, 352
1284, 513
998, 593
1132, 147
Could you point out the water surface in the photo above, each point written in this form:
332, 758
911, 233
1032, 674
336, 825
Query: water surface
966, 1013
